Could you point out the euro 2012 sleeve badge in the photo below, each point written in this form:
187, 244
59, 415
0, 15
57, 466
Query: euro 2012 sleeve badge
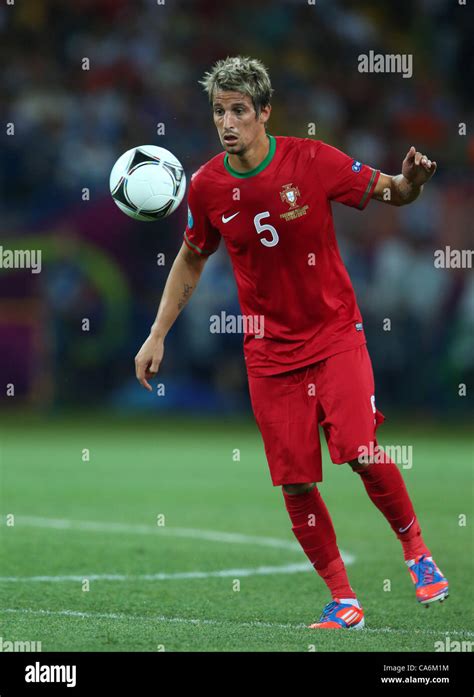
190, 218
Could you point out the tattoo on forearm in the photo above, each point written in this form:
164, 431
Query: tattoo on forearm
187, 288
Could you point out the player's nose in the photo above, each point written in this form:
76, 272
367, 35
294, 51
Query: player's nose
228, 119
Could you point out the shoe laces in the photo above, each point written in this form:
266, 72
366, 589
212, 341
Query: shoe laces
328, 609
426, 571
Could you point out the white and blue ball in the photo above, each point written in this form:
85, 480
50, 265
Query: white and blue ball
147, 182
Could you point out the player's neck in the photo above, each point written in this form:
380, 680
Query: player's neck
253, 157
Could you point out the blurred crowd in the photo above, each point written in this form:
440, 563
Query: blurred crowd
84, 81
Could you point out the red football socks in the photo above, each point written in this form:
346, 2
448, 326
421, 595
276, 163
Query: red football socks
386, 489
314, 531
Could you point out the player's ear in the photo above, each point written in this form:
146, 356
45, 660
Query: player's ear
265, 113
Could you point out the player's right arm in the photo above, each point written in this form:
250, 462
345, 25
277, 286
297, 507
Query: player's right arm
180, 285
200, 241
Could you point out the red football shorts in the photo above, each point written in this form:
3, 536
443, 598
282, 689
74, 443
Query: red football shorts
337, 393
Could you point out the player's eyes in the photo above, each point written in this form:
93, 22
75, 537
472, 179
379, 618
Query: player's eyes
238, 110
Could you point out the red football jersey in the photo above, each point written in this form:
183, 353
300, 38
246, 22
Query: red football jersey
277, 225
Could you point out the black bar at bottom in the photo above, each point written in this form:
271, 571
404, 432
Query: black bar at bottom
153, 673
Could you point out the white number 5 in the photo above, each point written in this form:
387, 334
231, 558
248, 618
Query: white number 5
262, 228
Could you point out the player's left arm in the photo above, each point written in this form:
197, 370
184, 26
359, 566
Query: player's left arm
398, 190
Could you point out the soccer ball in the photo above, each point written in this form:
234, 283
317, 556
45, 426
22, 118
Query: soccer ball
147, 182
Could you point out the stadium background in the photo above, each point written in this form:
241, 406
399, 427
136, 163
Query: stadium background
74, 387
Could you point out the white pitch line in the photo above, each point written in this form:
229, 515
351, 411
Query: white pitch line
140, 618
210, 535
223, 573
213, 535
188, 620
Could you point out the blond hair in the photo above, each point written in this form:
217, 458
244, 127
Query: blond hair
240, 74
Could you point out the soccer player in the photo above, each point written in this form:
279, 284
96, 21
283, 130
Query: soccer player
269, 198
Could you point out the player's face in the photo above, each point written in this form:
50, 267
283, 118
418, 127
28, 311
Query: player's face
236, 121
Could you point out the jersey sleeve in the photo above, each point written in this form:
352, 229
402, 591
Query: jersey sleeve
200, 235
344, 179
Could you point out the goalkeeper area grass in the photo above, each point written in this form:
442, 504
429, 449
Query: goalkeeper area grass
152, 534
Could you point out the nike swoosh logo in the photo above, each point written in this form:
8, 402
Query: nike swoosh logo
408, 526
226, 220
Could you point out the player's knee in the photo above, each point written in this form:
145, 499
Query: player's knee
297, 489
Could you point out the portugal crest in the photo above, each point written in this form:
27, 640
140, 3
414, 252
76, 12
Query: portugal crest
289, 194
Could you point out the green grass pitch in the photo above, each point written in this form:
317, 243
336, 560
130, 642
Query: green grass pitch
224, 572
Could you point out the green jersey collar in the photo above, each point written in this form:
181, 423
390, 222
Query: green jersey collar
259, 168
